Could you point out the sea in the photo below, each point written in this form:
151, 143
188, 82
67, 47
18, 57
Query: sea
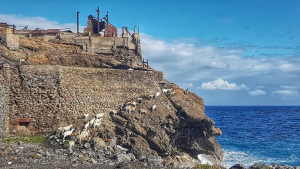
258, 134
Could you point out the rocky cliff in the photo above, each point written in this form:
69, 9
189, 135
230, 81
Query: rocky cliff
57, 84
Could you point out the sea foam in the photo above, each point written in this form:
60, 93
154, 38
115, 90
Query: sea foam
203, 160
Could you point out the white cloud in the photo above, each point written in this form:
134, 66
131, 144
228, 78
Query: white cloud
222, 85
36, 22
289, 91
257, 92
286, 92
193, 62
288, 67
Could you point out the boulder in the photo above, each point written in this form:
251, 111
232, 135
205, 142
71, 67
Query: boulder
122, 158
112, 143
238, 166
98, 143
259, 166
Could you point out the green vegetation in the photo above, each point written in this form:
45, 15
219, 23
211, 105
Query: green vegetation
28, 139
206, 166
35, 156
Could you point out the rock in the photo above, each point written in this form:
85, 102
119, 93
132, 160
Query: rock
122, 158
131, 156
20, 143
259, 166
238, 166
9, 162
87, 145
154, 160
112, 143
136, 152
98, 143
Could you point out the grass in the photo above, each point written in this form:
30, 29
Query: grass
27, 139
206, 166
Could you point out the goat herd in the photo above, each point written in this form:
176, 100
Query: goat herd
128, 107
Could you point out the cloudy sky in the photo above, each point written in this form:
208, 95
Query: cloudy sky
235, 52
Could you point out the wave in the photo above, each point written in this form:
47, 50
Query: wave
246, 158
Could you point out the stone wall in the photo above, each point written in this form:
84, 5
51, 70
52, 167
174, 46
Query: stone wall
10, 40
52, 96
3, 96
105, 45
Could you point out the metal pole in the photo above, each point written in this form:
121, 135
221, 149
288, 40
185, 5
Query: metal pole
78, 22
147, 64
138, 29
107, 17
134, 29
143, 63
98, 23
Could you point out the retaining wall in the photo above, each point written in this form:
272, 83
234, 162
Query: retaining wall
53, 96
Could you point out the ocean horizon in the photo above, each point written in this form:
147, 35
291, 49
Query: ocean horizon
258, 134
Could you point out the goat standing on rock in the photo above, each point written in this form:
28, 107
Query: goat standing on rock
67, 133
63, 129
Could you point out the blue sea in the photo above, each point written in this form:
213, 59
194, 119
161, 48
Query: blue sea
252, 134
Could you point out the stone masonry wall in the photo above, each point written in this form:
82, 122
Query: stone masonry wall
53, 96
11, 41
3, 96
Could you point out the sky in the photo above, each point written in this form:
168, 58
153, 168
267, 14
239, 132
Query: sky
233, 52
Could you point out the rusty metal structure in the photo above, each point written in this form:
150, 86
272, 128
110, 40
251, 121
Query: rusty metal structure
100, 26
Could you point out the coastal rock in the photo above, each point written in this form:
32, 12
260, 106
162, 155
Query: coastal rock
259, 166
238, 166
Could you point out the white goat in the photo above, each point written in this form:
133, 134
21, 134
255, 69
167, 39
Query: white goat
157, 94
86, 126
97, 122
153, 108
67, 133
83, 135
63, 129
99, 115
166, 91
92, 121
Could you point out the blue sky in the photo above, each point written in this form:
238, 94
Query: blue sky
234, 52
